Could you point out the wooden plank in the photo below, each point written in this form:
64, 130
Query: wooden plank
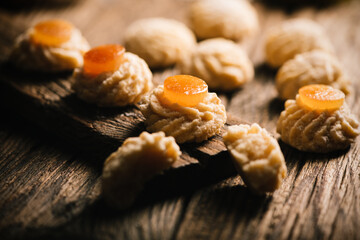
319, 198
32, 171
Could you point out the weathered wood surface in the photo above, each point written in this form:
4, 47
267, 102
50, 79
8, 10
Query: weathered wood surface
50, 188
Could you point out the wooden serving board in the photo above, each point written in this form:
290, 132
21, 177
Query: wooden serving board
320, 183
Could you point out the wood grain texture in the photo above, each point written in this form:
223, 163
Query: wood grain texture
50, 188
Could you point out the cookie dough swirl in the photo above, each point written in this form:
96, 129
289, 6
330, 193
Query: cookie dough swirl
257, 157
312, 131
316, 67
36, 57
185, 124
125, 86
293, 37
135, 162
223, 64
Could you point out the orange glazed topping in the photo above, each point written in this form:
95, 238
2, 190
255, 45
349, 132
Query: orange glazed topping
185, 90
321, 97
52, 32
105, 58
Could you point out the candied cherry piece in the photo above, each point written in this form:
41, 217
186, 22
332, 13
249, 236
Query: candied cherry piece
185, 90
321, 97
105, 58
52, 32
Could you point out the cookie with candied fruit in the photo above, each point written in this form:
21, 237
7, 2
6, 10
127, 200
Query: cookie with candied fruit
112, 77
319, 120
183, 108
50, 46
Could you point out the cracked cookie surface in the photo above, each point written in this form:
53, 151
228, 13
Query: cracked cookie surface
257, 157
133, 164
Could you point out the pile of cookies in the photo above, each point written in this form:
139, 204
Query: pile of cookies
316, 117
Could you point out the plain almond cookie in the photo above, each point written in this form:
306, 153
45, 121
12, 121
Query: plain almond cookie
160, 42
315, 67
30, 55
221, 63
133, 164
124, 86
294, 36
257, 157
231, 19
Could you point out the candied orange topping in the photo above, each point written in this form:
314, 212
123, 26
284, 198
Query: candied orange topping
105, 58
321, 97
52, 32
185, 90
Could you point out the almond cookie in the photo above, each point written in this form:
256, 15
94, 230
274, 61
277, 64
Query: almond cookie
257, 157
160, 42
292, 37
315, 67
122, 80
231, 19
49, 46
222, 64
319, 120
183, 108
133, 164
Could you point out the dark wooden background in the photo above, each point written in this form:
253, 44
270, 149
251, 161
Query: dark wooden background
52, 145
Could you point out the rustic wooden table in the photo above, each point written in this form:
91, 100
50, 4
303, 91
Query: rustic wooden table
52, 145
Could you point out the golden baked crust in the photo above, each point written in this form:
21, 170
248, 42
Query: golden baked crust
292, 37
159, 41
36, 57
221, 63
257, 157
315, 67
125, 86
135, 162
314, 131
185, 124
231, 19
